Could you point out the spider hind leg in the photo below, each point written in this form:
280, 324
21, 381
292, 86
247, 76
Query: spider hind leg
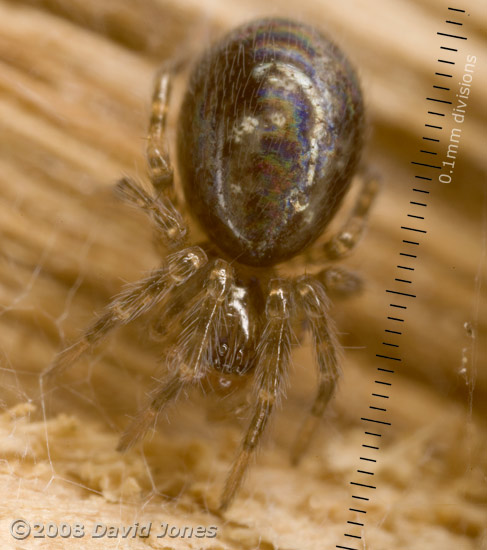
313, 300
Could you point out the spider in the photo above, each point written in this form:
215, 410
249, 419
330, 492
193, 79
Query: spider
269, 138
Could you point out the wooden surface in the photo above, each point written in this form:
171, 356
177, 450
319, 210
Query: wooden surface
75, 83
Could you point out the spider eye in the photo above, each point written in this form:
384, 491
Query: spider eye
223, 350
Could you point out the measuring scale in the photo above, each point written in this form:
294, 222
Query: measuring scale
434, 161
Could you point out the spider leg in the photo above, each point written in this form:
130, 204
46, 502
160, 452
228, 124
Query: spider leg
170, 388
166, 323
193, 352
340, 244
313, 300
161, 208
273, 355
339, 282
133, 301
345, 240
171, 229
160, 169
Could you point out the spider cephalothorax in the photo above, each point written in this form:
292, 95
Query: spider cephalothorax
270, 134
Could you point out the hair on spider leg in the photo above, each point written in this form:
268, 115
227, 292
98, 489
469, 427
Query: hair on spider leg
167, 221
327, 351
168, 390
134, 300
166, 323
340, 282
273, 357
191, 355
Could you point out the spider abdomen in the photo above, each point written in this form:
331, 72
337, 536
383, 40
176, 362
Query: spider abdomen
269, 136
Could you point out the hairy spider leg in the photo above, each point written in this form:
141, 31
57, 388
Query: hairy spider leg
344, 241
273, 356
312, 298
191, 357
339, 282
171, 230
134, 300
160, 169
165, 324
170, 227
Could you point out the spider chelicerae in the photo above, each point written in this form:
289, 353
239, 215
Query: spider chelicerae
269, 138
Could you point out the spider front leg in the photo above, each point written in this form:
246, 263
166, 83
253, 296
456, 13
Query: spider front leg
133, 301
313, 300
171, 230
273, 355
193, 352
160, 169
168, 222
